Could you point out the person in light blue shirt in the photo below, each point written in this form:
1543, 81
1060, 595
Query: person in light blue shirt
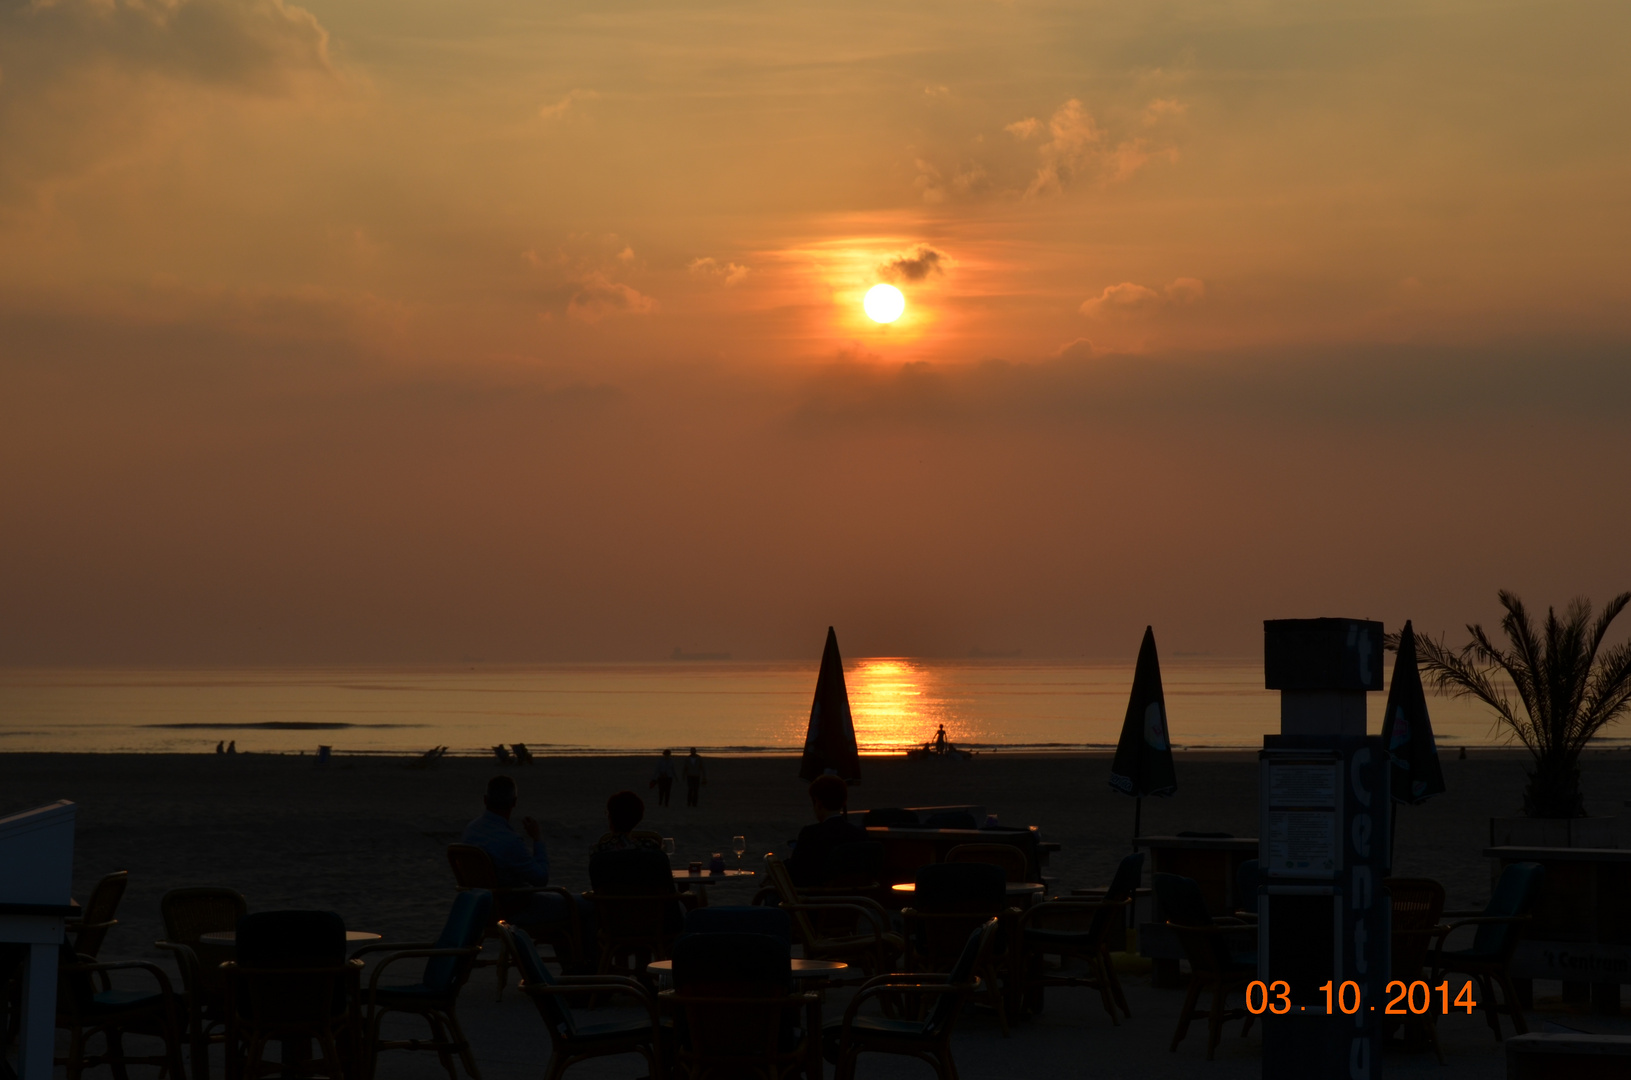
521, 861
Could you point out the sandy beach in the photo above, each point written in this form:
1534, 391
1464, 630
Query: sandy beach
365, 836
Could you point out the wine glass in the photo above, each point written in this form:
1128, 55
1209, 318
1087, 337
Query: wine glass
739, 844
668, 845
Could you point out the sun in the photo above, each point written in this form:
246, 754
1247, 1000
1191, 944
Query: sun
884, 303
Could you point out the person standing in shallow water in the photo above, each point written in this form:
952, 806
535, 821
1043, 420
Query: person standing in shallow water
663, 778
696, 774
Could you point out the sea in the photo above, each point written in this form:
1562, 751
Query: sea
721, 707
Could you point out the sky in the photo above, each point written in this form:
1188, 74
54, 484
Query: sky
418, 333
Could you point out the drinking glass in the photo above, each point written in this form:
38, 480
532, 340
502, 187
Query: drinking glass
739, 844
668, 845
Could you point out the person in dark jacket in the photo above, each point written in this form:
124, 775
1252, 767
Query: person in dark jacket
828, 796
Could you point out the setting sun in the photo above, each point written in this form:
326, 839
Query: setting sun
884, 303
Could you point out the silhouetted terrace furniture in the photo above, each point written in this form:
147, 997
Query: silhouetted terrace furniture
473, 869
1495, 939
292, 982
435, 997
1418, 905
854, 929
910, 847
1221, 957
1079, 929
1010, 858
638, 911
929, 1039
855, 868
735, 1012
952, 900
773, 922
573, 1042
1568, 1056
88, 1005
1213, 862
188, 915
96, 918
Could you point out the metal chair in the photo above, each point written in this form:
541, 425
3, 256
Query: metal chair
188, 914
1499, 928
572, 1042
736, 1014
1216, 960
473, 869
435, 997
929, 1039
638, 910
853, 929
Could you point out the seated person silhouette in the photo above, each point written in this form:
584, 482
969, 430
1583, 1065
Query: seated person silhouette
828, 797
624, 811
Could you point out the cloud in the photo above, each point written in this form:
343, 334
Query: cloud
966, 180
937, 91
1024, 129
915, 265
727, 274
1132, 299
1162, 108
598, 297
1080, 349
558, 109
1073, 134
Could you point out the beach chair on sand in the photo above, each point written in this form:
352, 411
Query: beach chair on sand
523, 756
929, 1039
1489, 959
570, 1041
435, 997
503, 754
188, 914
473, 870
1222, 957
96, 918
428, 758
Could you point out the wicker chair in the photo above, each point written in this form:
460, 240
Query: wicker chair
1489, 959
1216, 961
736, 1015
1418, 905
573, 1042
291, 982
473, 869
929, 1039
952, 900
188, 914
435, 997
96, 918
854, 929
88, 1005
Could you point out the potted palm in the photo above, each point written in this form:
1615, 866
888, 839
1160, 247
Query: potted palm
1566, 688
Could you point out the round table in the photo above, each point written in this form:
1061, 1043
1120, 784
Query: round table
230, 937
802, 968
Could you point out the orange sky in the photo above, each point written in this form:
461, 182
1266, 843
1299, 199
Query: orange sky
410, 332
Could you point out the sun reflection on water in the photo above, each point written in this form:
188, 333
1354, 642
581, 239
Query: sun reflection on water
896, 705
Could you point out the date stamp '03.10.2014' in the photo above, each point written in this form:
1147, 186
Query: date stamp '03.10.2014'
1403, 999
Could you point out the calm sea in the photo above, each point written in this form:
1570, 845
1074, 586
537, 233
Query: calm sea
579, 708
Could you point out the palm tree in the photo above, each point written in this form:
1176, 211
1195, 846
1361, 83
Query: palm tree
1567, 691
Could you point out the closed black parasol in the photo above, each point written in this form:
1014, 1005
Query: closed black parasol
1408, 733
829, 745
1143, 764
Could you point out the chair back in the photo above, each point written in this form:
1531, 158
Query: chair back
889, 817
1007, 856
968, 887
194, 911
732, 964
292, 999
472, 867
769, 921
1185, 907
97, 916
551, 1007
631, 872
1515, 893
291, 939
465, 927
1418, 905
858, 864
970, 960
1246, 886
1129, 872
787, 893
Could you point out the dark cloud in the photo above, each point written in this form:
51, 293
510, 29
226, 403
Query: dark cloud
915, 265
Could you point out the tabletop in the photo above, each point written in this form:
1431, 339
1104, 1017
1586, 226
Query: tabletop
1014, 888
686, 875
230, 937
802, 968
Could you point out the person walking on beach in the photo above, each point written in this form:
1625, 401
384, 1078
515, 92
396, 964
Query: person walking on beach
663, 778
696, 774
